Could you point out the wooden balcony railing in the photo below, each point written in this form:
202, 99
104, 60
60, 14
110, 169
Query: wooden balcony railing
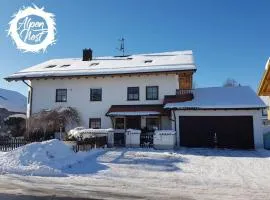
184, 91
181, 95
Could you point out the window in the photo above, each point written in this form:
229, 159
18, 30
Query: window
95, 123
151, 92
61, 95
264, 112
119, 123
95, 94
133, 93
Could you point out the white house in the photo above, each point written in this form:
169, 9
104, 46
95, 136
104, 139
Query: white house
146, 91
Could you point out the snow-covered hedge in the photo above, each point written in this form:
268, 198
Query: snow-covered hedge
83, 133
165, 132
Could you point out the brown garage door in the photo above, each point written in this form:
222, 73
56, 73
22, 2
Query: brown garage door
221, 131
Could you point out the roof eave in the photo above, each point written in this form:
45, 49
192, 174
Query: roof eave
111, 74
198, 108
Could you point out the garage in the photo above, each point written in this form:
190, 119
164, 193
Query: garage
217, 131
223, 117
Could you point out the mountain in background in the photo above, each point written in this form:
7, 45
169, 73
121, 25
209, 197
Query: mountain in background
12, 101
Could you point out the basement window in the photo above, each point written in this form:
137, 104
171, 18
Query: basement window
148, 61
51, 66
94, 64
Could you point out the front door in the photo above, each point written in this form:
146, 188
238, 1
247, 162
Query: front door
133, 122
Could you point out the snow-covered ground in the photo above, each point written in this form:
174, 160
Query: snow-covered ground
138, 173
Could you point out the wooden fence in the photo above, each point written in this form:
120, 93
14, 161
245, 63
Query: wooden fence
90, 143
7, 144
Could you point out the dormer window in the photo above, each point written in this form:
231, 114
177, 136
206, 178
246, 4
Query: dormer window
51, 66
148, 61
65, 65
94, 64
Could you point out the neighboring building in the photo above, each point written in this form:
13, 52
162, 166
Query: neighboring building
147, 91
11, 102
264, 87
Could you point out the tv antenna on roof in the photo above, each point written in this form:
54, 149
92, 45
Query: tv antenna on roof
122, 46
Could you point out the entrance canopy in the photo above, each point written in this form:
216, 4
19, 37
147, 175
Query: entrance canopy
137, 110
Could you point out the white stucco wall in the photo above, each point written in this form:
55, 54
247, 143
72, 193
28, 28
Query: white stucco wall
256, 114
114, 92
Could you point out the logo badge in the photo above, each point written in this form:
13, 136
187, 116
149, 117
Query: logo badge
32, 29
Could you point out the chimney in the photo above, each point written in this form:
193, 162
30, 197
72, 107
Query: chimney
87, 54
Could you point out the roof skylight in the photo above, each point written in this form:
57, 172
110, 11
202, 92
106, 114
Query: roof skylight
65, 65
94, 64
148, 61
51, 66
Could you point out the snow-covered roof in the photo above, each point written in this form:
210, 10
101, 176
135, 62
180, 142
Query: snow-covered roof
141, 63
12, 101
265, 99
17, 116
135, 113
242, 97
267, 64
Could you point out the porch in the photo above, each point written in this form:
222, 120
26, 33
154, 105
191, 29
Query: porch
145, 118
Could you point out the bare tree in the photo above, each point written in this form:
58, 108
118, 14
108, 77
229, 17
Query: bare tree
230, 82
50, 121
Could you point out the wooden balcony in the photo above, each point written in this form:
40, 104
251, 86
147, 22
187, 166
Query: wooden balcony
181, 95
184, 92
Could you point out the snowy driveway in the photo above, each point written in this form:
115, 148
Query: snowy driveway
138, 173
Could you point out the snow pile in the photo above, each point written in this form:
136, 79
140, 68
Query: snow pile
47, 158
12, 101
83, 133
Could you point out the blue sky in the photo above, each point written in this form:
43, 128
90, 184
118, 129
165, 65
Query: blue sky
229, 38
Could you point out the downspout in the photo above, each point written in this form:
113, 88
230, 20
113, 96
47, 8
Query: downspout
30, 98
173, 111
174, 119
